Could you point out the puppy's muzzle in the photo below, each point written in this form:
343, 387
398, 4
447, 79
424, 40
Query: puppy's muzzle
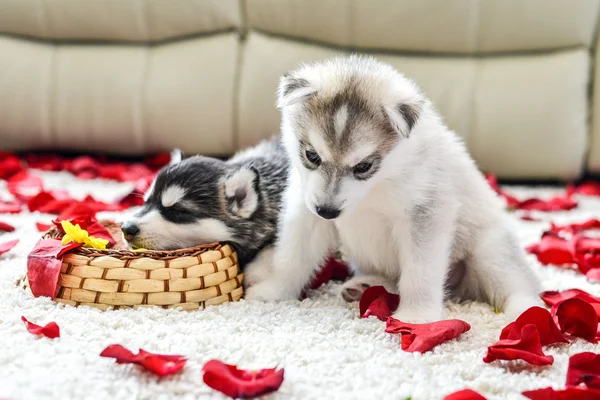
130, 230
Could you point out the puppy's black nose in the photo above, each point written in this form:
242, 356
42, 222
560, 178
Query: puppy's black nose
327, 212
130, 230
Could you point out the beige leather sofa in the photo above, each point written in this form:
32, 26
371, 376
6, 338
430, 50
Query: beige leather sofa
512, 77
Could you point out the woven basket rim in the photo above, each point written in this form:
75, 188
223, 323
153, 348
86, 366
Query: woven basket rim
55, 233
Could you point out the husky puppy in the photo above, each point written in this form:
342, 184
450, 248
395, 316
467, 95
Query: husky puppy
374, 167
203, 199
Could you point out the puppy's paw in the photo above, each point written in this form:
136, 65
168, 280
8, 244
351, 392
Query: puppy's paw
353, 289
515, 305
418, 316
267, 290
256, 272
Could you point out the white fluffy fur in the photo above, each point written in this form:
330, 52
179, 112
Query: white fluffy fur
428, 171
172, 195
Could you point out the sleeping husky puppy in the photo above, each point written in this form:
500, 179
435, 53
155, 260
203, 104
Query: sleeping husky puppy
203, 200
374, 166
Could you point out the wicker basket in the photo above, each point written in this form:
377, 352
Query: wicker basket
190, 278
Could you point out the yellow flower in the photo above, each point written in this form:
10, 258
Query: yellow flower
78, 235
140, 249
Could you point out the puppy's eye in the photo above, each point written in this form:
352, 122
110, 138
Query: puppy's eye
313, 157
362, 167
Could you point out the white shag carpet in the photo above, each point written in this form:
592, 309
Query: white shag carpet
327, 351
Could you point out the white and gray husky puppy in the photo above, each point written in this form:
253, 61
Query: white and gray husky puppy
375, 168
203, 199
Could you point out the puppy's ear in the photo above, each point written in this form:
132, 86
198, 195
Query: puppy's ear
404, 116
176, 156
241, 192
293, 89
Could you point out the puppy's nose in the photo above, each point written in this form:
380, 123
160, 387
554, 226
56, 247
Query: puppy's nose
328, 212
130, 230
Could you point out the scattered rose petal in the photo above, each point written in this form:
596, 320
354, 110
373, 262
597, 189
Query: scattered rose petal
424, 337
590, 188
42, 227
527, 348
43, 266
528, 217
584, 368
10, 208
576, 227
333, 269
577, 317
85, 167
465, 394
552, 297
50, 330
9, 165
239, 383
378, 302
558, 203
6, 227
552, 249
593, 275
24, 185
158, 161
46, 162
7, 246
160, 364
540, 317
570, 393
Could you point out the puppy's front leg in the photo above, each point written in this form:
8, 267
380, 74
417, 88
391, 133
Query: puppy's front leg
304, 241
424, 239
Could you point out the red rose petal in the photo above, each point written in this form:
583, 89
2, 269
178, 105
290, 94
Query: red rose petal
378, 302
576, 228
465, 394
527, 217
46, 162
527, 348
589, 188
9, 165
42, 227
9, 208
577, 317
50, 330
333, 269
7, 246
118, 352
593, 275
239, 383
158, 161
24, 185
160, 364
6, 227
85, 167
553, 249
424, 337
584, 368
43, 266
558, 203
542, 319
570, 393
552, 297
